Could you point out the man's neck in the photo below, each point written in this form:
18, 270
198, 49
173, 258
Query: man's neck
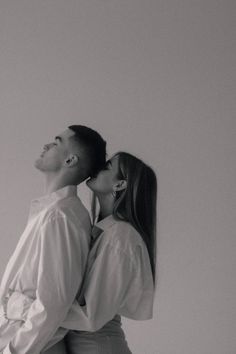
54, 183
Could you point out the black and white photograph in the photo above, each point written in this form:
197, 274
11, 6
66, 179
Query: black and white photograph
118, 172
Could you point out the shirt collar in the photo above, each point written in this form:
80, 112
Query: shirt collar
43, 202
101, 226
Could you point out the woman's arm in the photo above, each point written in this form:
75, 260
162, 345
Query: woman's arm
106, 286
117, 282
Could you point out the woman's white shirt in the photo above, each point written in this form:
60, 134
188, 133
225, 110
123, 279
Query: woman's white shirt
118, 279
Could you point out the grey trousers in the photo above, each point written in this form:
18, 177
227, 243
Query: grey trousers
58, 348
108, 340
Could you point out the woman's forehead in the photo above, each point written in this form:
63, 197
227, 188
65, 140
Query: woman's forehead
114, 160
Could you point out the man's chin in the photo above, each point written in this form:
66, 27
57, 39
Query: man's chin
37, 164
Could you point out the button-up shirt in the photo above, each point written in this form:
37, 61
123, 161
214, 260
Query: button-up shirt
47, 265
118, 278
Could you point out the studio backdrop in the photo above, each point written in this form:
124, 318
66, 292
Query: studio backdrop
156, 78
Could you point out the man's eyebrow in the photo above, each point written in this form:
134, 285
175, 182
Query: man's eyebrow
58, 138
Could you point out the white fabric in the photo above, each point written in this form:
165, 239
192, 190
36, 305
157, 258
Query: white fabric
47, 266
118, 278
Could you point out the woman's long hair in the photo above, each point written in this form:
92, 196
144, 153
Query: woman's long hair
137, 203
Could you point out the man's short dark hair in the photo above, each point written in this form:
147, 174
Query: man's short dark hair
94, 145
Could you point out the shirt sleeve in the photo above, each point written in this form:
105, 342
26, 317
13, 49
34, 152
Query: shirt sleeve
105, 289
62, 257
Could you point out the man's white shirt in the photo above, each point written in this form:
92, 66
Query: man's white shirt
47, 265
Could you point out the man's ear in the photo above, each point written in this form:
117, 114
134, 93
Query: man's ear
71, 160
120, 185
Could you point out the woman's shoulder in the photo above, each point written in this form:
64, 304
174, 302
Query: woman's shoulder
124, 226
122, 235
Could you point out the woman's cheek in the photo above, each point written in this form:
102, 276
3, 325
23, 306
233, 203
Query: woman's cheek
106, 184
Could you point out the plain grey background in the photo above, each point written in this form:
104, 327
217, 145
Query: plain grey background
156, 78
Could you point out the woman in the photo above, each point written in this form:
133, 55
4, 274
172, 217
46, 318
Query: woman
120, 275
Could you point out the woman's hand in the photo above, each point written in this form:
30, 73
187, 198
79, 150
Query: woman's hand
17, 306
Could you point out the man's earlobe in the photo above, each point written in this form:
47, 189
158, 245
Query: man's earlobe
72, 160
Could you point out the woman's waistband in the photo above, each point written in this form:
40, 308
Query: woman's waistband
111, 328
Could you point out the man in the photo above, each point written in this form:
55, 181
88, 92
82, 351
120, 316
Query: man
49, 260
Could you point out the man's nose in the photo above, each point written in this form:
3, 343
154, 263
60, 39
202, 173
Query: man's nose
47, 146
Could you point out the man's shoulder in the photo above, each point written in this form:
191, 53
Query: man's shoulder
71, 209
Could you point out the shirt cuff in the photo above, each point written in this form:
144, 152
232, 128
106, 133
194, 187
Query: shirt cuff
18, 306
6, 350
